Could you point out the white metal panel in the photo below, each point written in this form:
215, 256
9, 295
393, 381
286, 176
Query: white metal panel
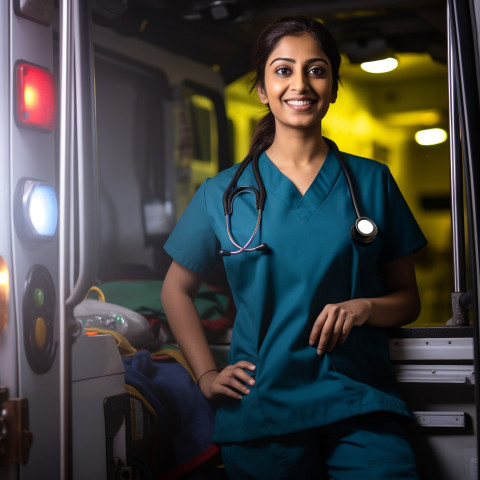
32, 155
448, 348
97, 373
8, 359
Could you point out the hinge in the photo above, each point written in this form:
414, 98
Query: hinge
15, 438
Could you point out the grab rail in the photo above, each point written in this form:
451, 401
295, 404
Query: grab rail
65, 162
77, 193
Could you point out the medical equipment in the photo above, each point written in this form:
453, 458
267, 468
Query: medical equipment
363, 230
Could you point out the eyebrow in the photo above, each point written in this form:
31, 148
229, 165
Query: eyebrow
291, 60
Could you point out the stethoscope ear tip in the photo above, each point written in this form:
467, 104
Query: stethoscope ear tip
224, 253
263, 247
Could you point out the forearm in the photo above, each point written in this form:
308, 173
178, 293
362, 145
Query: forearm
186, 326
392, 310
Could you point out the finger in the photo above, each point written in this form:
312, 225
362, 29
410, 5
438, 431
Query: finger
234, 384
327, 331
238, 371
317, 326
336, 333
222, 390
324, 338
245, 365
347, 327
236, 375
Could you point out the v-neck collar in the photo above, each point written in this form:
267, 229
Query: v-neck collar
278, 184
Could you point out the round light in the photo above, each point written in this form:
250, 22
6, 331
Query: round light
431, 136
43, 210
38, 297
380, 66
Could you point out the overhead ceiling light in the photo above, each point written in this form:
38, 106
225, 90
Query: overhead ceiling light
380, 66
431, 136
415, 118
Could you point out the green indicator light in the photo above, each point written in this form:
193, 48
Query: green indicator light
38, 297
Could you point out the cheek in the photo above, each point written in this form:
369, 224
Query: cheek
275, 92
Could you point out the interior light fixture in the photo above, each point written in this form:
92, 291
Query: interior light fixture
431, 136
36, 97
36, 209
380, 66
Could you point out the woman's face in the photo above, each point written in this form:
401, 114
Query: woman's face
298, 83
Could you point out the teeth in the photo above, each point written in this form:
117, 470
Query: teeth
299, 103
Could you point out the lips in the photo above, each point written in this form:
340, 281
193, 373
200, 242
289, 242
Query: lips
299, 103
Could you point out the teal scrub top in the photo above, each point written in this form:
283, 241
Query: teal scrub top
313, 260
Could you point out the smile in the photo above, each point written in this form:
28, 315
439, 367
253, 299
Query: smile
299, 103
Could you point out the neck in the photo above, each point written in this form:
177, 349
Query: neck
298, 147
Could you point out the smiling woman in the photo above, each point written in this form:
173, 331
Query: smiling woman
310, 330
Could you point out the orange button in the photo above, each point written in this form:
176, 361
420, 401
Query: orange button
40, 332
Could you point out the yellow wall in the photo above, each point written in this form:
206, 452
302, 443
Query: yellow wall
377, 117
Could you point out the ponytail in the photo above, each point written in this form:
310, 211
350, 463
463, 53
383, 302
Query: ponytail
263, 135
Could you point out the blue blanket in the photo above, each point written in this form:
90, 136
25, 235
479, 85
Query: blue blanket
185, 418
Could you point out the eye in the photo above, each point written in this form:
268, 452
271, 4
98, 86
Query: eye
316, 71
282, 71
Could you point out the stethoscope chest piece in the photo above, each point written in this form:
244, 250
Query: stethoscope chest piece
364, 230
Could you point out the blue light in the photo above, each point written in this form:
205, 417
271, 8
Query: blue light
42, 208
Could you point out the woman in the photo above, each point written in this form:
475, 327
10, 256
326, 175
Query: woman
309, 391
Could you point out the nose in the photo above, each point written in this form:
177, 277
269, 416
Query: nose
299, 81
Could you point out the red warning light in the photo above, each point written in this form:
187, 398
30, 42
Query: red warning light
36, 97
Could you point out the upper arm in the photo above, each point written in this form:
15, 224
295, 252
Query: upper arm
399, 274
180, 279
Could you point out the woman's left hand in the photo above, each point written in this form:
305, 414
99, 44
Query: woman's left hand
335, 321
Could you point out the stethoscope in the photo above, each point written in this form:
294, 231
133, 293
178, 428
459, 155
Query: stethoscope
363, 230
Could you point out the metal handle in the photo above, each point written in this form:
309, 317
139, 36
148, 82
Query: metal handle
86, 152
441, 419
459, 314
76, 107
65, 162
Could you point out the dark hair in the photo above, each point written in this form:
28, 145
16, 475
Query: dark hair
296, 25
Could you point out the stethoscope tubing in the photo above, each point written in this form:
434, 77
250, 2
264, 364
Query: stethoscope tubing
230, 236
233, 191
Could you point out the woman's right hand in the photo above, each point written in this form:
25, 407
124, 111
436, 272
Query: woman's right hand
233, 381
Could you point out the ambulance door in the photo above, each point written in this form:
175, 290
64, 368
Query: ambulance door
464, 83
29, 365
202, 146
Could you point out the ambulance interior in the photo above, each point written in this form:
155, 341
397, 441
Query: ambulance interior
173, 107
169, 131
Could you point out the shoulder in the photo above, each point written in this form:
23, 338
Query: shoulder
224, 177
366, 170
365, 164
220, 181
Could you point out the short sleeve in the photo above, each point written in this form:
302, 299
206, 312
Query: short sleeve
193, 242
402, 233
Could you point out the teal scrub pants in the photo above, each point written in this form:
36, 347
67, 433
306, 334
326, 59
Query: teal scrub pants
370, 447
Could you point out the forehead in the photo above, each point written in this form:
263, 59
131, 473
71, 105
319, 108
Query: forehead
297, 47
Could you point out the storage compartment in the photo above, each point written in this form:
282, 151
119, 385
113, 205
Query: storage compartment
435, 373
